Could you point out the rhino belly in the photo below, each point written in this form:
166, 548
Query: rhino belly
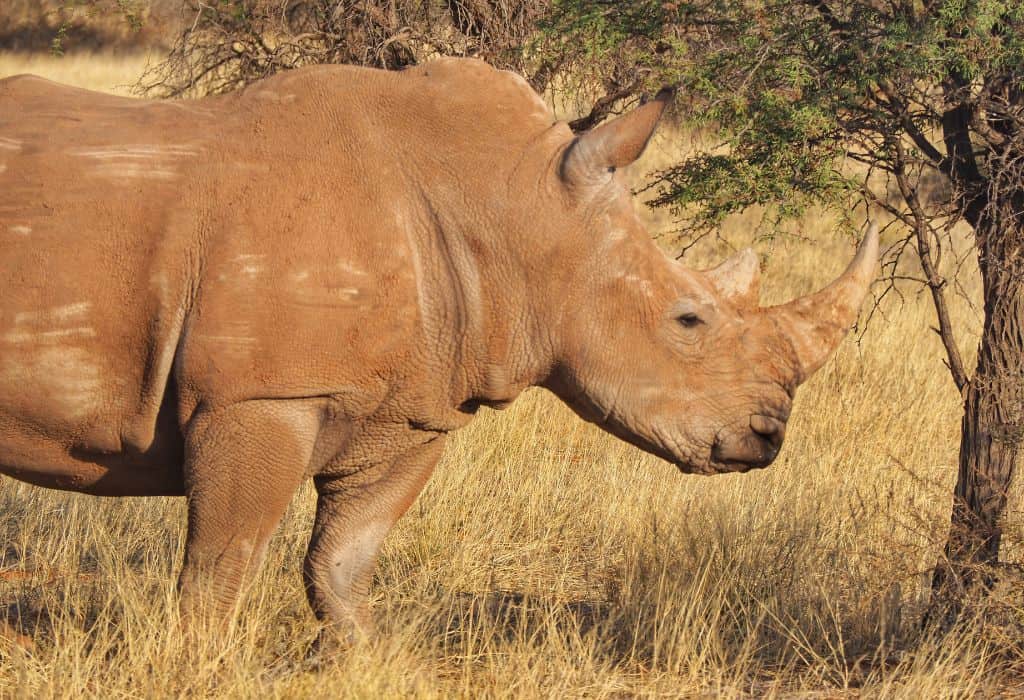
86, 404
85, 360
46, 461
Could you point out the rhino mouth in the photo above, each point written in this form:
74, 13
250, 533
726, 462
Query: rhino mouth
730, 466
739, 448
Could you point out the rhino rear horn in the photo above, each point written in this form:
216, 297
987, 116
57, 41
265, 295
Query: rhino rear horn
815, 324
738, 278
594, 155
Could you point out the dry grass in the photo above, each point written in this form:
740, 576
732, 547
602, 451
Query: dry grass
108, 72
547, 559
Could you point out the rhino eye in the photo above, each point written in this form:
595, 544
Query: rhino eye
689, 320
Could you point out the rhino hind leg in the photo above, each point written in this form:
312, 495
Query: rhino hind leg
351, 523
243, 464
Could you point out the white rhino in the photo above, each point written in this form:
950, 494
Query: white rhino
324, 274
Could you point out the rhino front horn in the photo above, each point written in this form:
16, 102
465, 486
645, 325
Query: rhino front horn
594, 155
816, 324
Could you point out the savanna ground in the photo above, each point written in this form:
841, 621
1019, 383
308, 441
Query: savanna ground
547, 559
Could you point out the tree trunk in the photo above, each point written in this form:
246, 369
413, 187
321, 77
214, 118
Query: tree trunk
992, 432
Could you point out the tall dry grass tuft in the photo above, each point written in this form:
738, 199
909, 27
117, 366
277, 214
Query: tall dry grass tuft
547, 559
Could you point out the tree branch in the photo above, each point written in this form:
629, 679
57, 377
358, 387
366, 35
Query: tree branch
827, 16
603, 107
936, 283
899, 108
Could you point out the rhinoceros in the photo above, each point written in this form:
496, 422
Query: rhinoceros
323, 274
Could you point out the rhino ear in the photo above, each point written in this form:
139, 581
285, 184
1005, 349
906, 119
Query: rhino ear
594, 155
738, 278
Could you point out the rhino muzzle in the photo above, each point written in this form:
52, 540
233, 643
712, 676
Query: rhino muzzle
754, 446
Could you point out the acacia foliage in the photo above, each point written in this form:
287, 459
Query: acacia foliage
798, 90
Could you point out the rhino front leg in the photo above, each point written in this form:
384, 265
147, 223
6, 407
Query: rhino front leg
243, 464
351, 522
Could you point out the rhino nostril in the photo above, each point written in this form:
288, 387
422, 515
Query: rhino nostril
769, 428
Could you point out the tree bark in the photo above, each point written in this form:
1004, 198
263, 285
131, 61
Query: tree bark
992, 432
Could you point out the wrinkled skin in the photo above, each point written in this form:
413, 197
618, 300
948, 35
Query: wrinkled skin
322, 275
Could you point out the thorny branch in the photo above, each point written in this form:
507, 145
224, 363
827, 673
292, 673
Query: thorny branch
228, 44
923, 233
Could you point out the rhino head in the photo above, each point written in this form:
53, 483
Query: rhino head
684, 364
